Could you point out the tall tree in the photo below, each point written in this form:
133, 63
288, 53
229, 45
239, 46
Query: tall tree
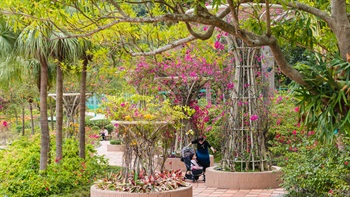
32, 43
65, 52
283, 21
86, 57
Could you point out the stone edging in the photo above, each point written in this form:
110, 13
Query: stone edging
180, 192
243, 180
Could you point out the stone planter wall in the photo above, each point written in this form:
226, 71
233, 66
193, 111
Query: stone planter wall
243, 180
181, 192
176, 163
115, 148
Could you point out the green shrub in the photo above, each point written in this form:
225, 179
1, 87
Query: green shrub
98, 123
95, 128
311, 167
316, 169
22, 177
115, 142
109, 128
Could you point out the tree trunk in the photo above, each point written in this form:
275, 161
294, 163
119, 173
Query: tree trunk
51, 115
59, 112
31, 116
45, 135
23, 122
82, 108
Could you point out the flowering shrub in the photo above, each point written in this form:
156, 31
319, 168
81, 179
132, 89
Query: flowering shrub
4, 131
311, 167
316, 169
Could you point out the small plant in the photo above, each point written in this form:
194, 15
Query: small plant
115, 142
142, 183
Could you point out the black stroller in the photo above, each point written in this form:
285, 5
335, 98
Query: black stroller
186, 156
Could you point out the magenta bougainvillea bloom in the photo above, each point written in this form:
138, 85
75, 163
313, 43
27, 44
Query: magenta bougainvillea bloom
296, 109
254, 117
4, 124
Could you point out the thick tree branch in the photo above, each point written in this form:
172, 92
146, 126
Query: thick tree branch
286, 68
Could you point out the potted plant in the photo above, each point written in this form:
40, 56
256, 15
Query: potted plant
146, 126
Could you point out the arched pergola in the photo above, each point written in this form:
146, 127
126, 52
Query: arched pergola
70, 104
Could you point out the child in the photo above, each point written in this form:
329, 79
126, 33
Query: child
194, 164
197, 170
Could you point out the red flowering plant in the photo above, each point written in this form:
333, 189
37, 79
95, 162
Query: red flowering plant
160, 181
311, 167
4, 131
285, 129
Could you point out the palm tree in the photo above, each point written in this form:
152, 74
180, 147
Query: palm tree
33, 43
64, 51
12, 71
82, 108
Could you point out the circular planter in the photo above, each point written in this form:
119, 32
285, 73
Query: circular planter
180, 192
115, 148
176, 163
243, 180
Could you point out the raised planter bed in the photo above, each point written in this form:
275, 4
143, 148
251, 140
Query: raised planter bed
180, 192
243, 180
115, 148
176, 163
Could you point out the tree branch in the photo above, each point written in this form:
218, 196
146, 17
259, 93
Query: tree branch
166, 47
268, 27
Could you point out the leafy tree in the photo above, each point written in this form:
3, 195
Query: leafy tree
318, 26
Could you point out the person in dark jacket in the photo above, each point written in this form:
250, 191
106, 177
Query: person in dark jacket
202, 152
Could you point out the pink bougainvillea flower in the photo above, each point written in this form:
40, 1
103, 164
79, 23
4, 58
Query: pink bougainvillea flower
296, 109
346, 163
310, 133
4, 124
294, 132
278, 136
122, 104
230, 86
279, 122
279, 99
254, 117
